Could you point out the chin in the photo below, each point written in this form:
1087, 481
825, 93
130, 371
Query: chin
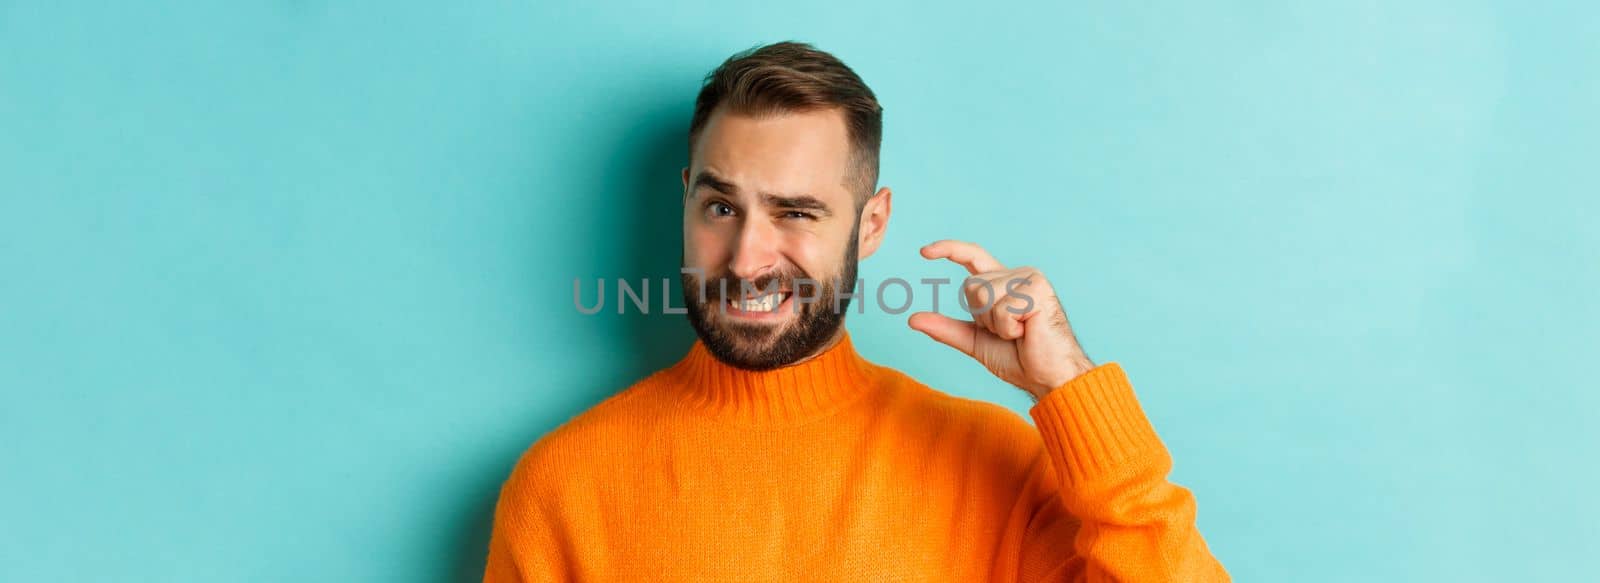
752, 338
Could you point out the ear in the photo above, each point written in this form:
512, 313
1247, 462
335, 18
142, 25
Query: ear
686, 183
874, 221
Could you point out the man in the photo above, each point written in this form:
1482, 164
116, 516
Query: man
774, 452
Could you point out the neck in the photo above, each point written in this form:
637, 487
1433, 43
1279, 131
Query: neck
826, 346
828, 379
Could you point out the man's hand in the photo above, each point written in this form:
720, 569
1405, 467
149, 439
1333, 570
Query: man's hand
1021, 334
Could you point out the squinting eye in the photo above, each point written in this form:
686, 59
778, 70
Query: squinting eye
797, 215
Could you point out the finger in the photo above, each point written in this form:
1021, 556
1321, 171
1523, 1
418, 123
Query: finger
1019, 289
979, 295
1023, 292
969, 255
984, 293
957, 334
1010, 313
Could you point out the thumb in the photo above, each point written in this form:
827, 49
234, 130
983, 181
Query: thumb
957, 334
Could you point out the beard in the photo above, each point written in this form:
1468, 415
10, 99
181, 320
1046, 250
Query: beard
761, 345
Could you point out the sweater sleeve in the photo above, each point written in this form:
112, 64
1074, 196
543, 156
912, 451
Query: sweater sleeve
1102, 508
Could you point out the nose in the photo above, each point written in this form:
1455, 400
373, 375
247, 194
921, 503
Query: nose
756, 251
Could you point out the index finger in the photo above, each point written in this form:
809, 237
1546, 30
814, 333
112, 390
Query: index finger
969, 255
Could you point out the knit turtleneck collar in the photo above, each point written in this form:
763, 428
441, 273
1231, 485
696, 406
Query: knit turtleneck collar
794, 393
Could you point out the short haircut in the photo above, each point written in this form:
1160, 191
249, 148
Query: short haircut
796, 77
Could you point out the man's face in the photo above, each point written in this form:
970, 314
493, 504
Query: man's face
767, 211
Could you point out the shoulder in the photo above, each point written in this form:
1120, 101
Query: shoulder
986, 425
990, 447
573, 448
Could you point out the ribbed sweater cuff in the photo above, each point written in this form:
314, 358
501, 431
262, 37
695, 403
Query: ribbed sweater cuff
1093, 424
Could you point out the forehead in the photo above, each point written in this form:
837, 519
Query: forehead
805, 152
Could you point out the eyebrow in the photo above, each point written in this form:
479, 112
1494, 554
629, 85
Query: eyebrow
803, 201
787, 202
707, 179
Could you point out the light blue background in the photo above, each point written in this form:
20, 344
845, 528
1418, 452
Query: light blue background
286, 287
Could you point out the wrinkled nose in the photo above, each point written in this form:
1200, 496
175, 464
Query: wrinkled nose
755, 252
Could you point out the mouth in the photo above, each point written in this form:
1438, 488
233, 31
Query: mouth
767, 306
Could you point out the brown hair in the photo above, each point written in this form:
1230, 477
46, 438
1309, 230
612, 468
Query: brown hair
796, 77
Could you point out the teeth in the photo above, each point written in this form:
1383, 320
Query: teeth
766, 303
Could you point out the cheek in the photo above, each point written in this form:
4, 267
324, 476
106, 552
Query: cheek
705, 245
818, 257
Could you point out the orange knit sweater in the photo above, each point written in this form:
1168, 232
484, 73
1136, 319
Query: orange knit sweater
836, 469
